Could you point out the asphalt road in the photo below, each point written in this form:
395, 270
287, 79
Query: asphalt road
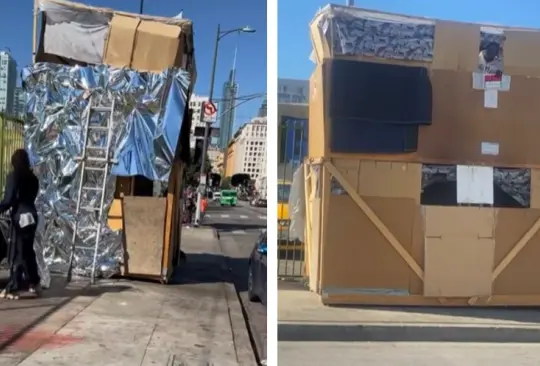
239, 228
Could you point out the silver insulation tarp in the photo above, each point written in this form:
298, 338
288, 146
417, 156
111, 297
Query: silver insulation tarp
149, 109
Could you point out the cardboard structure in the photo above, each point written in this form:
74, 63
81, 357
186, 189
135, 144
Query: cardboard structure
373, 236
68, 32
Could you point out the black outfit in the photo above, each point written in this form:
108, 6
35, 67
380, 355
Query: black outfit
20, 196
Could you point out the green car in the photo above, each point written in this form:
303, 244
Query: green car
228, 197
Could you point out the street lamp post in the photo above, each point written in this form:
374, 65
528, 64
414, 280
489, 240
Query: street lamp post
219, 35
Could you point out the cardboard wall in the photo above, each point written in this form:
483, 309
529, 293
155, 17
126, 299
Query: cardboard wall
458, 248
461, 123
458, 135
356, 254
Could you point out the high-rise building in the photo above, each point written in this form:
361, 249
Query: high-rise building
247, 150
263, 109
19, 104
8, 81
227, 108
293, 91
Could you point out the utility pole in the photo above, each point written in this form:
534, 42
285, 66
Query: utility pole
219, 35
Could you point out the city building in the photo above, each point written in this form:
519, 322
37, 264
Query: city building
263, 109
293, 91
19, 104
215, 156
8, 81
227, 108
246, 152
292, 138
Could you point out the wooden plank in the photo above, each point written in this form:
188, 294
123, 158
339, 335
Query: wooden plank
307, 231
143, 228
516, 249
419, 300
376, 221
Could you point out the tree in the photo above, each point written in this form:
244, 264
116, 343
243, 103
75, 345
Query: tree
194, 169
226, 183
240, 179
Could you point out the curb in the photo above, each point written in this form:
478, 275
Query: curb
291, 331
245, 354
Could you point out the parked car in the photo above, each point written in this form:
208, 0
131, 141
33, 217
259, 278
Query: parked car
216, 197
257, 270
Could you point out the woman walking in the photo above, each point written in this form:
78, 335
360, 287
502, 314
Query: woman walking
21, 190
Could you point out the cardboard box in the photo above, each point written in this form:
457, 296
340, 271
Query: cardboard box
144, 45
141, 42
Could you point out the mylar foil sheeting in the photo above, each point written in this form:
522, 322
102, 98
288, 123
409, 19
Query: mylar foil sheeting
149, 109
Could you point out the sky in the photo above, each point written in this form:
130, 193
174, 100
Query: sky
16, 24
294, 17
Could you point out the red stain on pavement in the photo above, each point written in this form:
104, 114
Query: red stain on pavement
33, 339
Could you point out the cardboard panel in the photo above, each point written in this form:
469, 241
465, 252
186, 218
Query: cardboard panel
458, 267
119, 46
535, 188
356, 255
144, 219
382, 179
457, 133
522, 53
459, 222
456, 46
157, 45
316, 131
385, 179
522, 274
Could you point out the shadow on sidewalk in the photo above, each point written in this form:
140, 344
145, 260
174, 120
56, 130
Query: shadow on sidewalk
212, 268
403, 333
19, 319
228, 227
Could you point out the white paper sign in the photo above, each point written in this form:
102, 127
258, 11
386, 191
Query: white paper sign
475, 185
490, 148
480, 83
491, 98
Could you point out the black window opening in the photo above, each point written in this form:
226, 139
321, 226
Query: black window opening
511, 187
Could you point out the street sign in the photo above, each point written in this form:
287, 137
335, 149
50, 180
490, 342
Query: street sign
209, 110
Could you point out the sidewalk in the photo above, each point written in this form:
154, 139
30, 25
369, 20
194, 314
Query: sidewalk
302, 317
117, 322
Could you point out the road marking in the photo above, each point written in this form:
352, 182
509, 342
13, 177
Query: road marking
243, 217
208, 215
238, 232
262, 217
225, 216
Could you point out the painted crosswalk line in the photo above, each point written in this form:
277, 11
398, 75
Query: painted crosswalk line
243, 216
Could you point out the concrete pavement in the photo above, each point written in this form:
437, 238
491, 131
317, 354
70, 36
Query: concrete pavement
237, 238
310, 333
199, 321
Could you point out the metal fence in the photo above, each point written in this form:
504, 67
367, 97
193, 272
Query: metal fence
11, 139
291, 264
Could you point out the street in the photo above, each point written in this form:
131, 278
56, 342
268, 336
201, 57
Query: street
310, 333
239, 228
